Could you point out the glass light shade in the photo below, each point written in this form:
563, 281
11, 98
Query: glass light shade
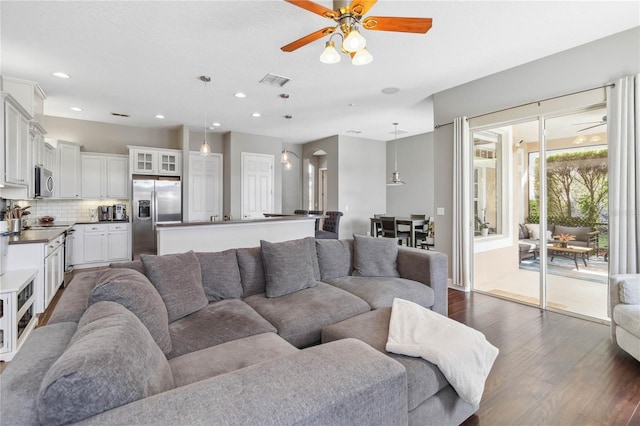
287, 165
330, 55
284, 158
363, 57
354, 41
205, 149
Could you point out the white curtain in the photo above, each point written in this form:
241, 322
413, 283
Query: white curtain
462, 256
623, 123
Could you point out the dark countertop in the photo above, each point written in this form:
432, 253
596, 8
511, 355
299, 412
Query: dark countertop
228, 222
55, 229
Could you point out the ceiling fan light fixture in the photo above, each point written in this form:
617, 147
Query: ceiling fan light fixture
362, 57
354, 41
330, 55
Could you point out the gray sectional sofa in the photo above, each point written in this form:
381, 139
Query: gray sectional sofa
232, 337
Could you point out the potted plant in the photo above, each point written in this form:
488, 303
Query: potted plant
484, 229
564, 239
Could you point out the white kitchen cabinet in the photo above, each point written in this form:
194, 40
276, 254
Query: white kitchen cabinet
36, 135
155, 161
15, 131
49, 158
104, 176
53, 267
17, 310
27, 93
68, 177
101, 243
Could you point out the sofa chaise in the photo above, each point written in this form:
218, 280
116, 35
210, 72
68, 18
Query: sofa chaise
624, 311
231, 337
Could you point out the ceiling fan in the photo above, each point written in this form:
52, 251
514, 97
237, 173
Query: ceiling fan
595, 124
348, 17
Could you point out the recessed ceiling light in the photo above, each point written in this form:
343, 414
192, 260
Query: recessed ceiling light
240, 95
390, 90
61, 75
76, 109
216, 124
256, 115
351, 105
159, 116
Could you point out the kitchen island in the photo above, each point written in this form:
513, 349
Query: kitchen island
218, 236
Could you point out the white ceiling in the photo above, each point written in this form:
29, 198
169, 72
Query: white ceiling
144, 58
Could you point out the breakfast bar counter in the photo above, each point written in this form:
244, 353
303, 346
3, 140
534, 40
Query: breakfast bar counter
223, 235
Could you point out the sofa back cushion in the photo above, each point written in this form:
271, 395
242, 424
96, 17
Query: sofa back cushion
178, 279
111, 361
251, 271
220, 275
135, 292
288, 266
135, 264
375, 257
630, 290
335, 258
580, 232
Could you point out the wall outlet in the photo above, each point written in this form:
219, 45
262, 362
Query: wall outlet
440, 211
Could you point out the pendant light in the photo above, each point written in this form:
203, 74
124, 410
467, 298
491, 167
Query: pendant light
205, 149
395, 176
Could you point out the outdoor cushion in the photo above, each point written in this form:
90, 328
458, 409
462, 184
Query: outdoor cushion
251, 270
379, 292
287, 266
335, 258
375, 257
178, 279
580, 232
220, 275
217, 323
300, 316
111, 360
135, 292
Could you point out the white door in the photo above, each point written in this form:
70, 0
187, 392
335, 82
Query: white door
323, 190
257, 185
205, 187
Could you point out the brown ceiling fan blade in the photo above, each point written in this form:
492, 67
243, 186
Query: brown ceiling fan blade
307, 39
361, 7
314, 8
391, 23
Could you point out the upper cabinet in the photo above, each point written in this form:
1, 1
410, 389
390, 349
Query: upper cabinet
104, 176
15, 152
155, 161
28, 94
68, 178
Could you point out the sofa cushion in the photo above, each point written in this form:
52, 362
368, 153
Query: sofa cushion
379, 292
135, 292
220, 275
178, 279
630, 290
135, 264
217, 323
628, 317
335, 258
111, 360
251, 271
375, 257
534, 231
580, 232
287, 266
73, 301
229, 356
300, 316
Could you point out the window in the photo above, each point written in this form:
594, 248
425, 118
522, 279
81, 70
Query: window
312, 173
488, 178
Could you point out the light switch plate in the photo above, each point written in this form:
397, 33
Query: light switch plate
440, 211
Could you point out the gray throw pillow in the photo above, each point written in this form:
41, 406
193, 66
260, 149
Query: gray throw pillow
135, 292
178, 279
334, 258
375, 257
251, 271
220, 275
287, 267
111, 361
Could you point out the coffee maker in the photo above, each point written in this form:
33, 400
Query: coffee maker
119, 212
105, 213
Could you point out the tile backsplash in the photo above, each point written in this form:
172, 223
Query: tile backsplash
67, 210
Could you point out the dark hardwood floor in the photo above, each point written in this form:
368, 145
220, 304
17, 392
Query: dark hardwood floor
552, 369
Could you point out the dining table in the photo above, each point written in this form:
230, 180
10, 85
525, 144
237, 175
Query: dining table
411, 223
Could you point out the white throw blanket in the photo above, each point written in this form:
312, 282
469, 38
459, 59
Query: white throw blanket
463, 354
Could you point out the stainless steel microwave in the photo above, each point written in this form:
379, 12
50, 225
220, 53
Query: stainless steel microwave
44, 183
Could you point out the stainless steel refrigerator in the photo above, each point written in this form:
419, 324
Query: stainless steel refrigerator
155, 200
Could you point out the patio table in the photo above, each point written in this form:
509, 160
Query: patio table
571, 252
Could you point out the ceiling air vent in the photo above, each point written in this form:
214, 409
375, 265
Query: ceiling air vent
117, 114
274, 80
354, 131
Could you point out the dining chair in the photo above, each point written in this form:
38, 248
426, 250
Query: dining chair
330, 227
390, 230
377, 227
420, 230
301, 212
317, 213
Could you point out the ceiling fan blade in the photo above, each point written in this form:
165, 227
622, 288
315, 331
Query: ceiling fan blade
588, 122
361, 7
314, 8
391, 23
307, 39
590, 127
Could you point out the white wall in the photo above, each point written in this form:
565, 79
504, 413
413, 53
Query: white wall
581, 68
415, 164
